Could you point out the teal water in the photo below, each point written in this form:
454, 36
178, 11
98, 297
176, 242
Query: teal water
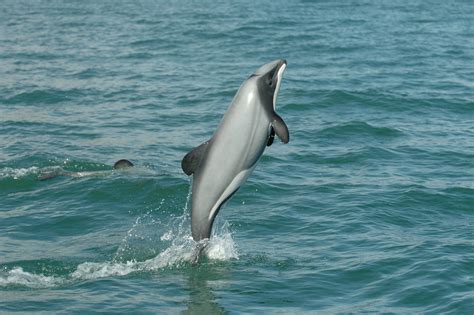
368, 208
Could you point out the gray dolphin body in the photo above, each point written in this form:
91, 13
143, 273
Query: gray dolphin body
119, 165
222, 164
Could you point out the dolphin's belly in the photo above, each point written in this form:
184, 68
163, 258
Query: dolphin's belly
236, 146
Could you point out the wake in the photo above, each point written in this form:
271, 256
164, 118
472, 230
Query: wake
169, 244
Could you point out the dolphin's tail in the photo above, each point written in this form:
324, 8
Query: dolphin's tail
196, 255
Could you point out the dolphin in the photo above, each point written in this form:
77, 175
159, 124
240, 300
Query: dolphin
119, 165
223, 163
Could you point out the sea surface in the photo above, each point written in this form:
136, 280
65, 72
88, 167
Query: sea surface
368, 209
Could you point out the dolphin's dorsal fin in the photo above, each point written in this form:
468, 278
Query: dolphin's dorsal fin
191, 161
280, 128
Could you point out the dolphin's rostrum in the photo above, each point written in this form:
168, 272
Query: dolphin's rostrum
222, 164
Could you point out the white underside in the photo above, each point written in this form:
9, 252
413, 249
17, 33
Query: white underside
234, 185
277, 88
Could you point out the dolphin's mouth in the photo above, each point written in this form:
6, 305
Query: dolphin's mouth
279, 75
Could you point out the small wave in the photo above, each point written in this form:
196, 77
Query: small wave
45, 166
381, 100
359, 128
17, 173
220, 248
92, 270
18, 277
29, 173
178, 252
50, 96
353, 156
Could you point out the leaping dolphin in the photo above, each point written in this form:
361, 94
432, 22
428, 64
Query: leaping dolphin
222, 164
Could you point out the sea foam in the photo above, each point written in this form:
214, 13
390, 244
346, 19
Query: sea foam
177, 253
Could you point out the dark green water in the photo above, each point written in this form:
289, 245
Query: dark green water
369, 208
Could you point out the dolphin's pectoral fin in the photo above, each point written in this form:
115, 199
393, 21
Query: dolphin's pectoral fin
191, 161
272, 137
280, 128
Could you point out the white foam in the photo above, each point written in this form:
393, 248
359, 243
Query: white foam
17, 173
173, 256
222, 248
177, 250
90, 270
17, 276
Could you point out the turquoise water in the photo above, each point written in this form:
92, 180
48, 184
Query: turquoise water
368, 208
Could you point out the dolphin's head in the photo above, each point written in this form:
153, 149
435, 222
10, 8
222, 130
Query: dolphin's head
120, 164
267, 80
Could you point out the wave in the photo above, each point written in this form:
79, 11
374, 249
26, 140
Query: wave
37, 164
49, 96
48, 167
177, 252
17, 173
359, 129
308, 98
220, 248
349, 156
18, 277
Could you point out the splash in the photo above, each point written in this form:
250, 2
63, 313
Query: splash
18, 277
221, 246
17, 173
167, 244
20, 173
171, 242
91, 270
178, 254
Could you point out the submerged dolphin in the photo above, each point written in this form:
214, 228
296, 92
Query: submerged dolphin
119, 165
223, 163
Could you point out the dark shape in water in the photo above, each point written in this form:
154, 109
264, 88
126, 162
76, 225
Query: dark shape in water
122, 164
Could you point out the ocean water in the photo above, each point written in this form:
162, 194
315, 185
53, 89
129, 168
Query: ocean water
368, 208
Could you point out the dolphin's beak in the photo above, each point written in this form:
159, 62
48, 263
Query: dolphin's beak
278, 75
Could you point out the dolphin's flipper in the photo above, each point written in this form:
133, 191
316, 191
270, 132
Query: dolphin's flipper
272, 137
280, 128
191, 161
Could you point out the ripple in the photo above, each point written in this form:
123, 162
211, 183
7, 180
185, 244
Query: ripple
359, 129
49, 96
